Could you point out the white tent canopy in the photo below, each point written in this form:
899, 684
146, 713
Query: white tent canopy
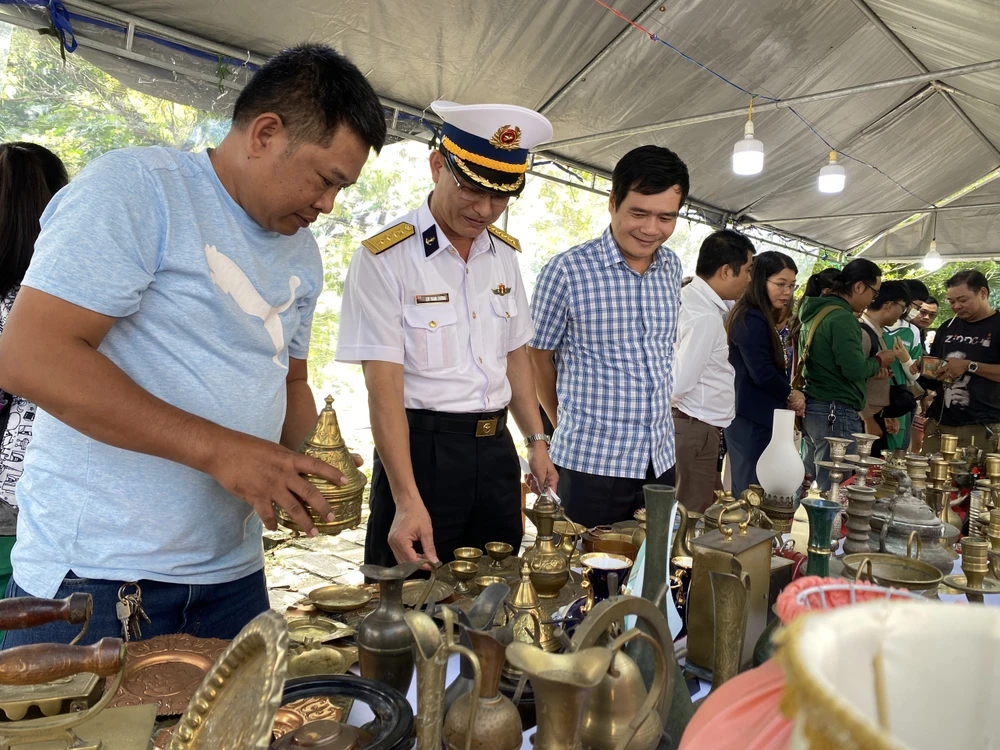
930, 129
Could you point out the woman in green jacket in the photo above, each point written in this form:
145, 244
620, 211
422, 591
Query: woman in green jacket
835, 367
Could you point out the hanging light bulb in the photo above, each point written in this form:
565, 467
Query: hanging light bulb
832, 177
933, 260
748, 153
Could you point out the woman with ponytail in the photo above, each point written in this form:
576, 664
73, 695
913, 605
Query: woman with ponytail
760, 359
835, 367
29, 176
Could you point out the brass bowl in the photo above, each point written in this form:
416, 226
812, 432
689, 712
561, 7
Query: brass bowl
319, 629
464, 571
339, 598
892, 570
498, 551
615, 547
484, 581
468, 553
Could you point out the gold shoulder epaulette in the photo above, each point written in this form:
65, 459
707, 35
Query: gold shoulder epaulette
389, 237
503, 236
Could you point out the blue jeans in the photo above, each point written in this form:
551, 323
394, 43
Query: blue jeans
210, 611
827, 419
746, 441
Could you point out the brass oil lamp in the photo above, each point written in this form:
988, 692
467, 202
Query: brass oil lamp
327, 444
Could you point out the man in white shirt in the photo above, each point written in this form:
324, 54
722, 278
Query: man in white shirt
704, 399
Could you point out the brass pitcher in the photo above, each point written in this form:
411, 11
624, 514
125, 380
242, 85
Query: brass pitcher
726, 510
431, 652
562, 683
385, 645
498, 723
327, 444
548, 565
620, 714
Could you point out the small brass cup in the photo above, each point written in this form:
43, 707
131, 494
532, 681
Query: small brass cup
498, 552
471, 554
483, 581
464, 571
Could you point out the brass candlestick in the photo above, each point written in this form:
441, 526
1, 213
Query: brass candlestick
975, 564
865, 443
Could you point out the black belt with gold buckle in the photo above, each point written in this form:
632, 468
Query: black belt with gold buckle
479, 425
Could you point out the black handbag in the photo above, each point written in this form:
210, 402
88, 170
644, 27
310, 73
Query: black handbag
901, 402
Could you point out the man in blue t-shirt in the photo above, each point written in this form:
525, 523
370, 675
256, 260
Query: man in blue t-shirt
163, 329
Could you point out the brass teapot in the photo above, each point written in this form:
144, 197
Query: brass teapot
726, 510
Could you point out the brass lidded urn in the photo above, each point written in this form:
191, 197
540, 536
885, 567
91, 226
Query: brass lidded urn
327, 444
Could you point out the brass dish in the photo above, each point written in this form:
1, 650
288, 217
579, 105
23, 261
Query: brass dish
414, 590
615, 547
295, 714
961, 583
320, 629
314, 659
237, 701
339, 598
166, 670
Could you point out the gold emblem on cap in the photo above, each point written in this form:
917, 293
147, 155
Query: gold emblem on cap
507, 138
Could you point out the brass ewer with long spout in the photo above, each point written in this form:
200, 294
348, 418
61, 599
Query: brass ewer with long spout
561, 684
431, 652
327, 444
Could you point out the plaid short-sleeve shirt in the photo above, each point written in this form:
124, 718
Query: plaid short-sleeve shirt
613, 332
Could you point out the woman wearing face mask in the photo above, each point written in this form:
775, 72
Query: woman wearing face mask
760, 360
835, 366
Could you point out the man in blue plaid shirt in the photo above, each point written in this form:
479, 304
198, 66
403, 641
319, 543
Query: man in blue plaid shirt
605, 315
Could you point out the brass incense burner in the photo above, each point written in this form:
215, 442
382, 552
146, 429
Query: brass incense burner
327, 444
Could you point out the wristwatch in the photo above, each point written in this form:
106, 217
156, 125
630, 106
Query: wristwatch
973, 366
536, 437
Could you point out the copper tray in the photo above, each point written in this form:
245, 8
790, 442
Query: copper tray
166, 670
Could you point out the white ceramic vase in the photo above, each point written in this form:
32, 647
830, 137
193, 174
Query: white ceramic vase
780, 469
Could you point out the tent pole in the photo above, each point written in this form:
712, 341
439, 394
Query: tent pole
963, 70
864, 214
915, 61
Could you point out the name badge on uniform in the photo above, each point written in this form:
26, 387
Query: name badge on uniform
427, 299
502, 290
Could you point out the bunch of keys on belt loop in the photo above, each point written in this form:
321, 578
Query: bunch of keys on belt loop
130, 612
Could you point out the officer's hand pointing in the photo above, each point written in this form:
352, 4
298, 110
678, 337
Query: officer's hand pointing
412, 524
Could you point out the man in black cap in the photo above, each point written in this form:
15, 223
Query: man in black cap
435, 311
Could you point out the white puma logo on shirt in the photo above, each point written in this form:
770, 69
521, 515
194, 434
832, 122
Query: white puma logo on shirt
231, 279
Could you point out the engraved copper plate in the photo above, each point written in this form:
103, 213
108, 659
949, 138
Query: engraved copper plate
166, 670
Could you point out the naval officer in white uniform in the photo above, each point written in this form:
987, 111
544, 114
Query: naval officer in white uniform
436, 313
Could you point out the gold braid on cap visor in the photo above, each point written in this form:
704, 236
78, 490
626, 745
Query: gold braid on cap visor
486, 183
482, 161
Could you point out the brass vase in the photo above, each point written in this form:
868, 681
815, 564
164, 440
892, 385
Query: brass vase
731, 600
385, 644
327, 444
562, 683
497, 722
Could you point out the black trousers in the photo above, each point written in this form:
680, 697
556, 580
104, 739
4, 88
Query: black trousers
471, 487
594, 500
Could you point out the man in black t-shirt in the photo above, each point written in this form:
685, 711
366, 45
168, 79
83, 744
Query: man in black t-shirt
968, 400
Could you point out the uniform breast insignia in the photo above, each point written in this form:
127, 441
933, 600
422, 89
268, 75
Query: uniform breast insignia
502, 290
389, 237
504, 237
